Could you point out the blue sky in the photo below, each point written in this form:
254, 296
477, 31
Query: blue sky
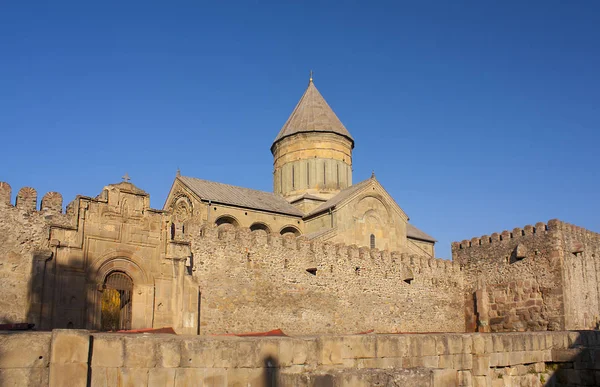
476, 116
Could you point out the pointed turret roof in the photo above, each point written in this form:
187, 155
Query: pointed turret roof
312, 114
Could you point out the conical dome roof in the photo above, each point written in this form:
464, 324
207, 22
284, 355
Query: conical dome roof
312, 114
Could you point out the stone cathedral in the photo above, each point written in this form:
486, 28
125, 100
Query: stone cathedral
318, 255
313, 194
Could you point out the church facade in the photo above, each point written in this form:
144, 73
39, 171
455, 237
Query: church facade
313, 191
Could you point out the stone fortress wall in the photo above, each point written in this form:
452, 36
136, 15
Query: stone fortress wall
251, 280
23, 238
541, 277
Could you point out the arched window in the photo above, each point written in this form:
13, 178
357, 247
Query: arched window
226, 219
290, 230
259, 226
372, 241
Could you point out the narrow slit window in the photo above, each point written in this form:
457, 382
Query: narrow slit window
307, 175
372, 241
324, 174
293, 178
337, 168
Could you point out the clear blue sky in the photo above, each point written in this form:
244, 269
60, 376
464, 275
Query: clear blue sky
476, 116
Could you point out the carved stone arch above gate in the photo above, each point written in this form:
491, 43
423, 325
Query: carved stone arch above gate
118, 260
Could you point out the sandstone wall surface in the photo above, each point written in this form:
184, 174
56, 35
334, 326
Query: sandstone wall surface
78, 358
518, 279
581, 276
23, 238
251, 281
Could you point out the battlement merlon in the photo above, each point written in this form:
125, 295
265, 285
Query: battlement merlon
26, 199
540, 229
334, 252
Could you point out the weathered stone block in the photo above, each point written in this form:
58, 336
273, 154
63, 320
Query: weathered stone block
430, 361
391, 346
465, 379
358, 347
24, 350
133, 377
296, 351
481, 381
101, 376
70, 346
140, 352
216, 377
253, 377
189, 377
481, 365
24, 377
421, 346
566, 355
197, 353
161, 377
478, 344
444, 378
107, 351
169, 355
455, 344
68, 374
329, 351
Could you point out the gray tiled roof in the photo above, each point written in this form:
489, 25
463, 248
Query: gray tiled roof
415, 233
239, 196
337, 199
312, 114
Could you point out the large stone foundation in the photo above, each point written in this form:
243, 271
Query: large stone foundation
81, 358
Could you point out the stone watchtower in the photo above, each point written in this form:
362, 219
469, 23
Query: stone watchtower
312, 154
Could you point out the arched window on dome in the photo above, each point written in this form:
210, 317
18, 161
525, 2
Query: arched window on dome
372, 241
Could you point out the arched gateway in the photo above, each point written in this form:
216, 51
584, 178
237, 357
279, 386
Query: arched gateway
116, 305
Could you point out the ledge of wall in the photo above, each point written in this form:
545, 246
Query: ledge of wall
109, 359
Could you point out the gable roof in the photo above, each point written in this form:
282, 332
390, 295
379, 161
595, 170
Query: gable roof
239, 196
414, 233
340, 197
411, 231
312, 114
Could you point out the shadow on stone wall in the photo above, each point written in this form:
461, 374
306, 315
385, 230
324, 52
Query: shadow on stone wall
271, 373
57, 295
579, 365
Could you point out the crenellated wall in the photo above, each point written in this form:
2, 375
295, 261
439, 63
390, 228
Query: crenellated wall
23, 240
254, 281
211, 279
513, 280
541, 277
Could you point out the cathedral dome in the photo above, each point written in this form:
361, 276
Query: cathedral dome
312, 154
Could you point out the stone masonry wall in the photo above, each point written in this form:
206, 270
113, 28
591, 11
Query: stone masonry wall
78, 358
23, 238
513, 280
251, 281
581, 276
